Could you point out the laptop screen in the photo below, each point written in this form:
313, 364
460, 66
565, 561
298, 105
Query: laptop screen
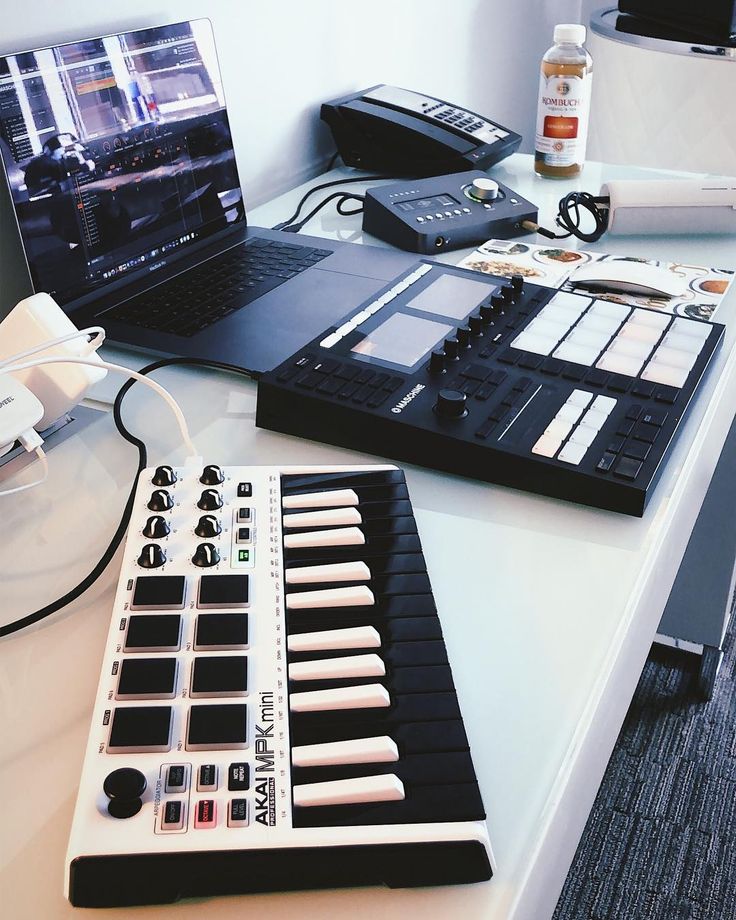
118, 153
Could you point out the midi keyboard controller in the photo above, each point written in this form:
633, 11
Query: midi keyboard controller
276, 709
502, 380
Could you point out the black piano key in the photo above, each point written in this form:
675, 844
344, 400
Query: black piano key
410, 737
409, 707
382, 586
391, 544
374, 527
413, 770
422, 679
296, 483
422, 805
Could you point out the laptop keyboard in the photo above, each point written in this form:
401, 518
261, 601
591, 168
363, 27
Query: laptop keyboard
201, 296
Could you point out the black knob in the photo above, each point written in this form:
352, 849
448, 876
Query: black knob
497, 303
487, 312
476, 324
124, 788
210, 500
206, 555
156, 527
452, 348
463, 336
517, 283
507, 292
450, 404
160, 500
207, 526
212, 476
152, 556
437, 362
163, 476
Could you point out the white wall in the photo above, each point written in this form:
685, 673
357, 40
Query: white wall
281, 59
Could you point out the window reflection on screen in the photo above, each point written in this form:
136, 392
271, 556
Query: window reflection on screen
452, 296
402, 339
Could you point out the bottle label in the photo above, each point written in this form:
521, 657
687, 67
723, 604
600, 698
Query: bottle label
562, 119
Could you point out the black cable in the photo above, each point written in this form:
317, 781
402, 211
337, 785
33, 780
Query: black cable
122, 528
570, 213
342, 199
319, 188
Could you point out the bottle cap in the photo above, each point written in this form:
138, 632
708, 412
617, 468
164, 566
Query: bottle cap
569, 32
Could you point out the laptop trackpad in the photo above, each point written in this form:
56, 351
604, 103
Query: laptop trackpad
270, 329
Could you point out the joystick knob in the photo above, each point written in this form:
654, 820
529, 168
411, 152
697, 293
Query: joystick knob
124, 788
156, 527
463, 336
160, 500
517, 283
452, 348
476, 324
507, 292
437, 362
210, 500
152, 556
483, 189
207, 526
450, 404
163, 476
206, 555
212, 475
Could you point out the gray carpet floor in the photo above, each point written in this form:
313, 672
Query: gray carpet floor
660, 843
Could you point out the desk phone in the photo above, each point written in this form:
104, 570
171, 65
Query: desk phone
566, 395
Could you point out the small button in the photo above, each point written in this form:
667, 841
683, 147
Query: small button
666, 394
639, 450
245, 489
173, 816
606, 462
245, 555
644, 432
238, 777
205, 815
625, 428
643, 388
420, 220
243, 535
176, 778
207, 778
466, 210
158, 592
655, 417
627, 468
245, 515
615, 446
219, 631
634, 412
237, 815
222, 591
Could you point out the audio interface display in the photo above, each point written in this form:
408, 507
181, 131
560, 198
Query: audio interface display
505, 381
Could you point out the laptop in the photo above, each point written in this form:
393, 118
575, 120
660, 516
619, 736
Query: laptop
123, 181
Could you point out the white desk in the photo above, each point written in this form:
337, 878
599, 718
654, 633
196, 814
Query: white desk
548, 609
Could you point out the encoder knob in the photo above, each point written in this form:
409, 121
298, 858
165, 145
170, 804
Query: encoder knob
437, 362
507, 292
205, 555
163, 476
483, 189
476, 324
452, 348
156, 527
463, 336
517, 283
207, 526
450, 404
212, 475
151, 556
160, 500
210, 500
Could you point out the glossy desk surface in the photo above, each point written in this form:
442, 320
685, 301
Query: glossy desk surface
548, 609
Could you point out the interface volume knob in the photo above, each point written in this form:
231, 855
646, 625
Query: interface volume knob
205, 555
451, 404
483, 189
210, 500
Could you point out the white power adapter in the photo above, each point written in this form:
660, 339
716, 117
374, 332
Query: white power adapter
670, 206
20, 412
59, 387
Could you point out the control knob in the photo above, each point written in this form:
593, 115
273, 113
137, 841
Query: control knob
156, 527
163, 476
124, 787
152, 556
507, 292
451, 404
206, 555
476, 324
207, 526
483, 189
437, 362
497, 303
517, 283
210, 500
463, 336
160, 500
212, 475
487, 312
452, 348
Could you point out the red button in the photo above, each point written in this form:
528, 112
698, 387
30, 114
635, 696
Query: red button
206, 813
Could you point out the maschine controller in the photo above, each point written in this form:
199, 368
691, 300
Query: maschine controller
509, 382
276, 709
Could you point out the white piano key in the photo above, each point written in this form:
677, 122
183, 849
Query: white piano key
381, 749
335, 668
689, 343
604, 404
569, 413
572, 453
365, 696
613, 310
546, 446
649, 318
337, 498
558, 429
579, 398
661, 373
583, 435
692, 327
340, 536
385, 788
630, 348
620, 364
357, 596
336, 572
331, 517
674, 358
333, 639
